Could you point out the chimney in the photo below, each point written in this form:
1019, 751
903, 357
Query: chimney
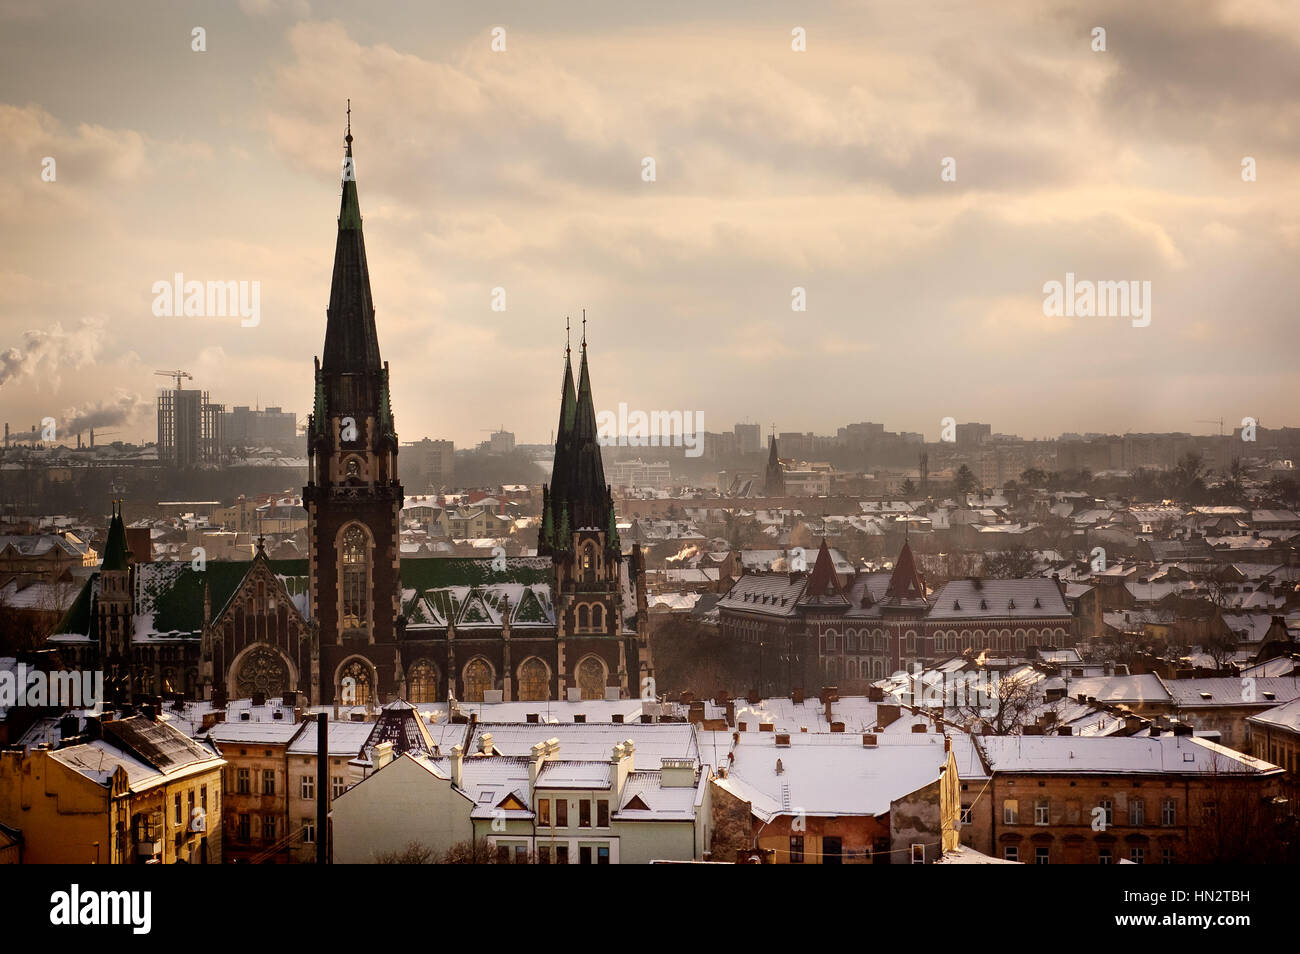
458, 764
94, 730
69, 726
259, 698
887, 715
219, 698
783, 739
620, 766
1064, 730
869, 740
381, 756
485, 743
539, 754
148, 712
836, 726
796, 695
731, 712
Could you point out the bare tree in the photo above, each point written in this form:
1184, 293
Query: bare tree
1008, 707
415, 853
1014, 563
480, 852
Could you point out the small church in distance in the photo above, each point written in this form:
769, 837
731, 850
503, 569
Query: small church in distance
354, 624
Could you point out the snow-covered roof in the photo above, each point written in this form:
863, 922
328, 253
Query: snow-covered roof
1114, 755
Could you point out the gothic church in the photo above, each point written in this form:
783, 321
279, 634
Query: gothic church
354, 624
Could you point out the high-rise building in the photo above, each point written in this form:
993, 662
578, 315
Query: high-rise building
189, 428
434, 463
273, 427
749, 438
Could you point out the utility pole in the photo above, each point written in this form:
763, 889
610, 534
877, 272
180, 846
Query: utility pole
322, 789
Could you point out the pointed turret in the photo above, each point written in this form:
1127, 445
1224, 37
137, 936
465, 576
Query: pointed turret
589, 493
823, 583
577, 496
115, 552
906, 588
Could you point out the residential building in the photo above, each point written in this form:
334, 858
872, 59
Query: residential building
126, 791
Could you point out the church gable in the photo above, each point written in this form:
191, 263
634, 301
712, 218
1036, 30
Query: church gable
475, 609
530, 610
260, 588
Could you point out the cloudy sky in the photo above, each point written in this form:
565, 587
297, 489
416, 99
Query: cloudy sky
775, 169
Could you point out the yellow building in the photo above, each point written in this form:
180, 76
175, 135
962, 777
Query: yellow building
127, 791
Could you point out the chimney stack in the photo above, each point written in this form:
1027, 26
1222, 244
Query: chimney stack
457, 766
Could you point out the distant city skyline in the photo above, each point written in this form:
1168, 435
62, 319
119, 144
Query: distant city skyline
782, 178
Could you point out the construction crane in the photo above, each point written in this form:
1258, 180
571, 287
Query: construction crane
177, 375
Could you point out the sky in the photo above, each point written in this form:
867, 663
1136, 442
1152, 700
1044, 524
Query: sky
775, 169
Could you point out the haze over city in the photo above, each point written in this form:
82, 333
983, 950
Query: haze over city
522, 170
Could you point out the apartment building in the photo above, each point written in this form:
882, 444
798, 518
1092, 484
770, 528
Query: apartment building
1155, 799
124, 791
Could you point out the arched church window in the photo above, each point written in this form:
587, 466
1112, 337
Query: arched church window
584, 618
356, 578
591, 678
534, 681
588, 563
423, 682
355, 688
478, 679
598, 617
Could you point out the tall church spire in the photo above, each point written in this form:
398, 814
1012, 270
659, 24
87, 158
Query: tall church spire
577, 492
351, 342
